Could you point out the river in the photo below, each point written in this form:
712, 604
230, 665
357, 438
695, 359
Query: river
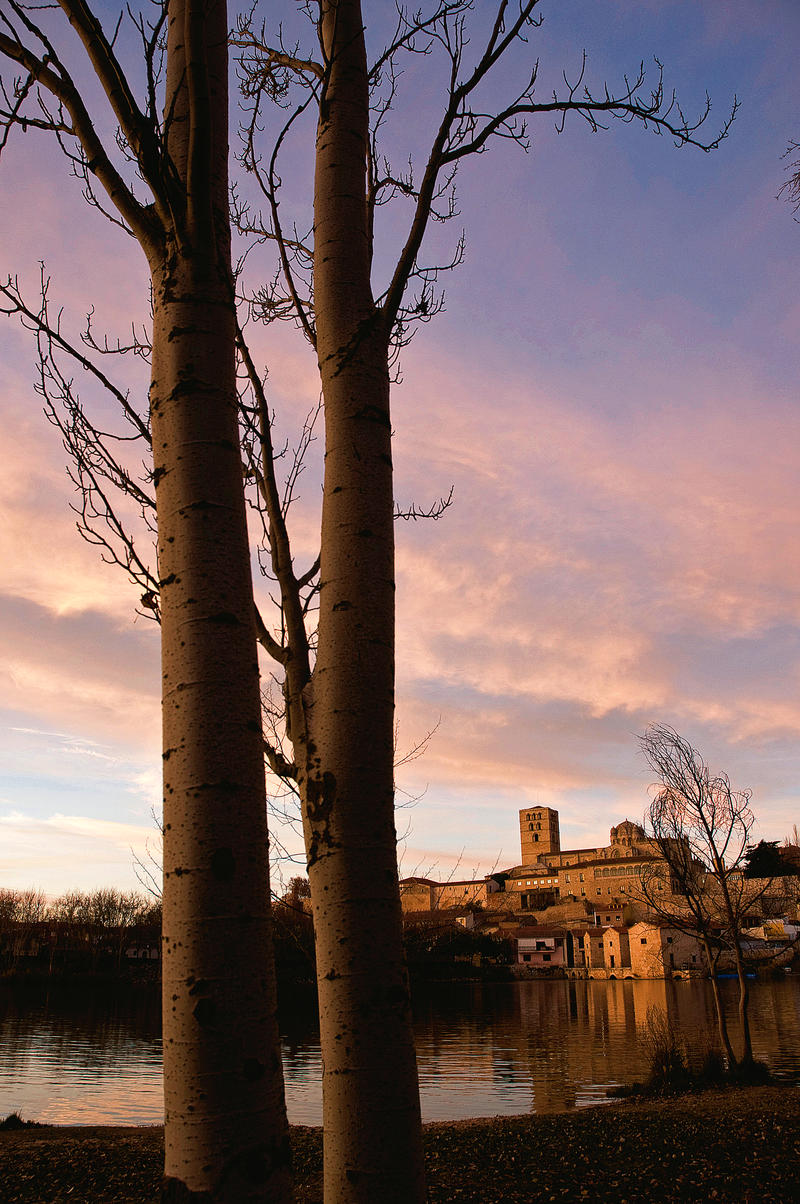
92, 1054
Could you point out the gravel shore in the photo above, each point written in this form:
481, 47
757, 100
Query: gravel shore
734, 1146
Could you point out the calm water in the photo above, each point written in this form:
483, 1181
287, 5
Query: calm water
93, 1056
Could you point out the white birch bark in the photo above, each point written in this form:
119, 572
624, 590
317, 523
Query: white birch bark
225, 1124
370, 1091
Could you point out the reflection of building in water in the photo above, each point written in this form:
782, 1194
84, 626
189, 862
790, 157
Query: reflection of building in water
571, 1038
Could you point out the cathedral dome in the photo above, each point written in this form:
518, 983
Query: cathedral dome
626, 832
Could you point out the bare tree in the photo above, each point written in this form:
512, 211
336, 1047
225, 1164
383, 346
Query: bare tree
21, 913
331, 731
226, 1135
674, 890
701, 826
114, 914
339, 695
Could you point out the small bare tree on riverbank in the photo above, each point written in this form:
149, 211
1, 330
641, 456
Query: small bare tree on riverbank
701, 827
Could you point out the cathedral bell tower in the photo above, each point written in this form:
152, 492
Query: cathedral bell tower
539, 833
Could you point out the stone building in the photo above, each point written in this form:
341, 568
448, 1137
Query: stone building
542, 945
539, 833
593, 879
422, 894
581, 912
548, 873
658, 950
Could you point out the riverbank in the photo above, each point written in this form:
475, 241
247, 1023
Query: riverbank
737, 1146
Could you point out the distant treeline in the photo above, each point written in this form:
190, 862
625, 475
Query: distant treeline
92, 931
113, 932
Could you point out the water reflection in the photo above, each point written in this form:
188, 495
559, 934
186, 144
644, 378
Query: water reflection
81, 1055
93, 1056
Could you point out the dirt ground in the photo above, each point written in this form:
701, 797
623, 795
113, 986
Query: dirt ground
734, 1146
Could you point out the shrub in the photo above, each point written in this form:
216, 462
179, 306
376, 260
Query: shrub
668, 1071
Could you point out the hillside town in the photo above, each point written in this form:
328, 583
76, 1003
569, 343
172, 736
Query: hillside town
591, 913
604, 912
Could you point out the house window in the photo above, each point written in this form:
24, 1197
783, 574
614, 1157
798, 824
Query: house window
545, 957
599, 891
567, 878
643, 940
608, 919
580, 877
669, 940
526, 957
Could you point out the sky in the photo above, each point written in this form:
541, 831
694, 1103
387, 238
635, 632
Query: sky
611, 393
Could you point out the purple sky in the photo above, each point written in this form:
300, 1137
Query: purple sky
612, 393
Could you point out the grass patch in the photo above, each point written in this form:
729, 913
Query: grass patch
15, 1121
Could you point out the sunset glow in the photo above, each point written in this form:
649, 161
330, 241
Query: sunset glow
611, 393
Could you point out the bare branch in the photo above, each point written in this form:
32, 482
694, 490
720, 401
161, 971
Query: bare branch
465, 131
435, 511
39, 322
791, 187
295, 655
278, 763
50, 73
137, 129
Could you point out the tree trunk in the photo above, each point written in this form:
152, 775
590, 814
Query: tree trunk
370, 1090
733, 916
722, 1024
225, 1123
744, 1001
